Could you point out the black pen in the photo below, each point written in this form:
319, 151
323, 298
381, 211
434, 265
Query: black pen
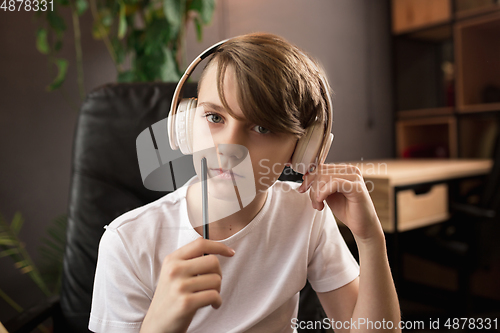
204, 195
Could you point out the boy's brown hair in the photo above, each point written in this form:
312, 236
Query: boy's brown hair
279, 86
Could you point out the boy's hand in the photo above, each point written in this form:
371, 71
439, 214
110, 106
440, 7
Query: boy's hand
188, 281
345, 192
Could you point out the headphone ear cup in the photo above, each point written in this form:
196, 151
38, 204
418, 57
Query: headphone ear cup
307, 148
184, 118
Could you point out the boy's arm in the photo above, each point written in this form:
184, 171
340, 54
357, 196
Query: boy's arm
372, 296
369, 298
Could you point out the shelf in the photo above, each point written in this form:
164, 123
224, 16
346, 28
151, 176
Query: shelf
408, 15
406, 114
477, 49
427, 137
467, 8
436, 33
486, 107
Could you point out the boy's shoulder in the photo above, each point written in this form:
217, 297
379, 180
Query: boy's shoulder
151, 213
286, 184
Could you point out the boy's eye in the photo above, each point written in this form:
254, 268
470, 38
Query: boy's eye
214, 118
261, 130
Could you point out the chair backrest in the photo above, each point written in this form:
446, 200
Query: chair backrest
487, 231
491, 195
105, 181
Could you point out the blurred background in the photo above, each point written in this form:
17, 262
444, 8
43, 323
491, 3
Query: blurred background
392, 66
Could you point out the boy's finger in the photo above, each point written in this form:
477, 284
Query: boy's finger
307, 181
313, 195
206, 297
203, 282
203, 265
200, 247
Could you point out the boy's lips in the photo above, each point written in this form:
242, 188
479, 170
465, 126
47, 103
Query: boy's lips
224, 174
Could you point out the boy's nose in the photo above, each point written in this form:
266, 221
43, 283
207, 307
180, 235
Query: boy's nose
231, 154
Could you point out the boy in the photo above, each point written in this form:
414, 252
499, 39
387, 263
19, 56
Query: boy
155, 273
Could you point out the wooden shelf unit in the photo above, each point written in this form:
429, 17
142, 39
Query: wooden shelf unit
408, 15
477, 49
427, 137
418, 113
447, 72
469, 8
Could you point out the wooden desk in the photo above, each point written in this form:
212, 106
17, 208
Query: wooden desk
395, 186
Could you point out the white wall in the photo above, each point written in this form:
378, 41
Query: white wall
349, 37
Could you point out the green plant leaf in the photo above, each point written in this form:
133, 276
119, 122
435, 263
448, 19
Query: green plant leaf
130, 8
199, 29
106, 18
169, 72
156, 37
9, 252
122, 25
81, 7
126, 76
52, 251
42, 43
17, 223
7, 241
119, 50
99, 31
55, 247
174, 11
59, 40
26, 269
21, 264
51, 256
56, 235
56, 22
205, 8
58, 45
62, 68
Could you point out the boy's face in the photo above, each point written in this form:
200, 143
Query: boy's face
255, 156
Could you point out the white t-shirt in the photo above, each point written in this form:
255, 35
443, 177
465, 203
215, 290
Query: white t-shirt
286, 243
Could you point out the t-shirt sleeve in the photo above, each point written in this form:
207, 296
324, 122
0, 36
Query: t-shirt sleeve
331, 264
120, 300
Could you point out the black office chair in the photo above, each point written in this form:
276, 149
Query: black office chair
105, 183
466, 242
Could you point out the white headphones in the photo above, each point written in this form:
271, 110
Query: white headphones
311, 149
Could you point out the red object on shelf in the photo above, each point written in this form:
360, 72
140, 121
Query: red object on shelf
427, 151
